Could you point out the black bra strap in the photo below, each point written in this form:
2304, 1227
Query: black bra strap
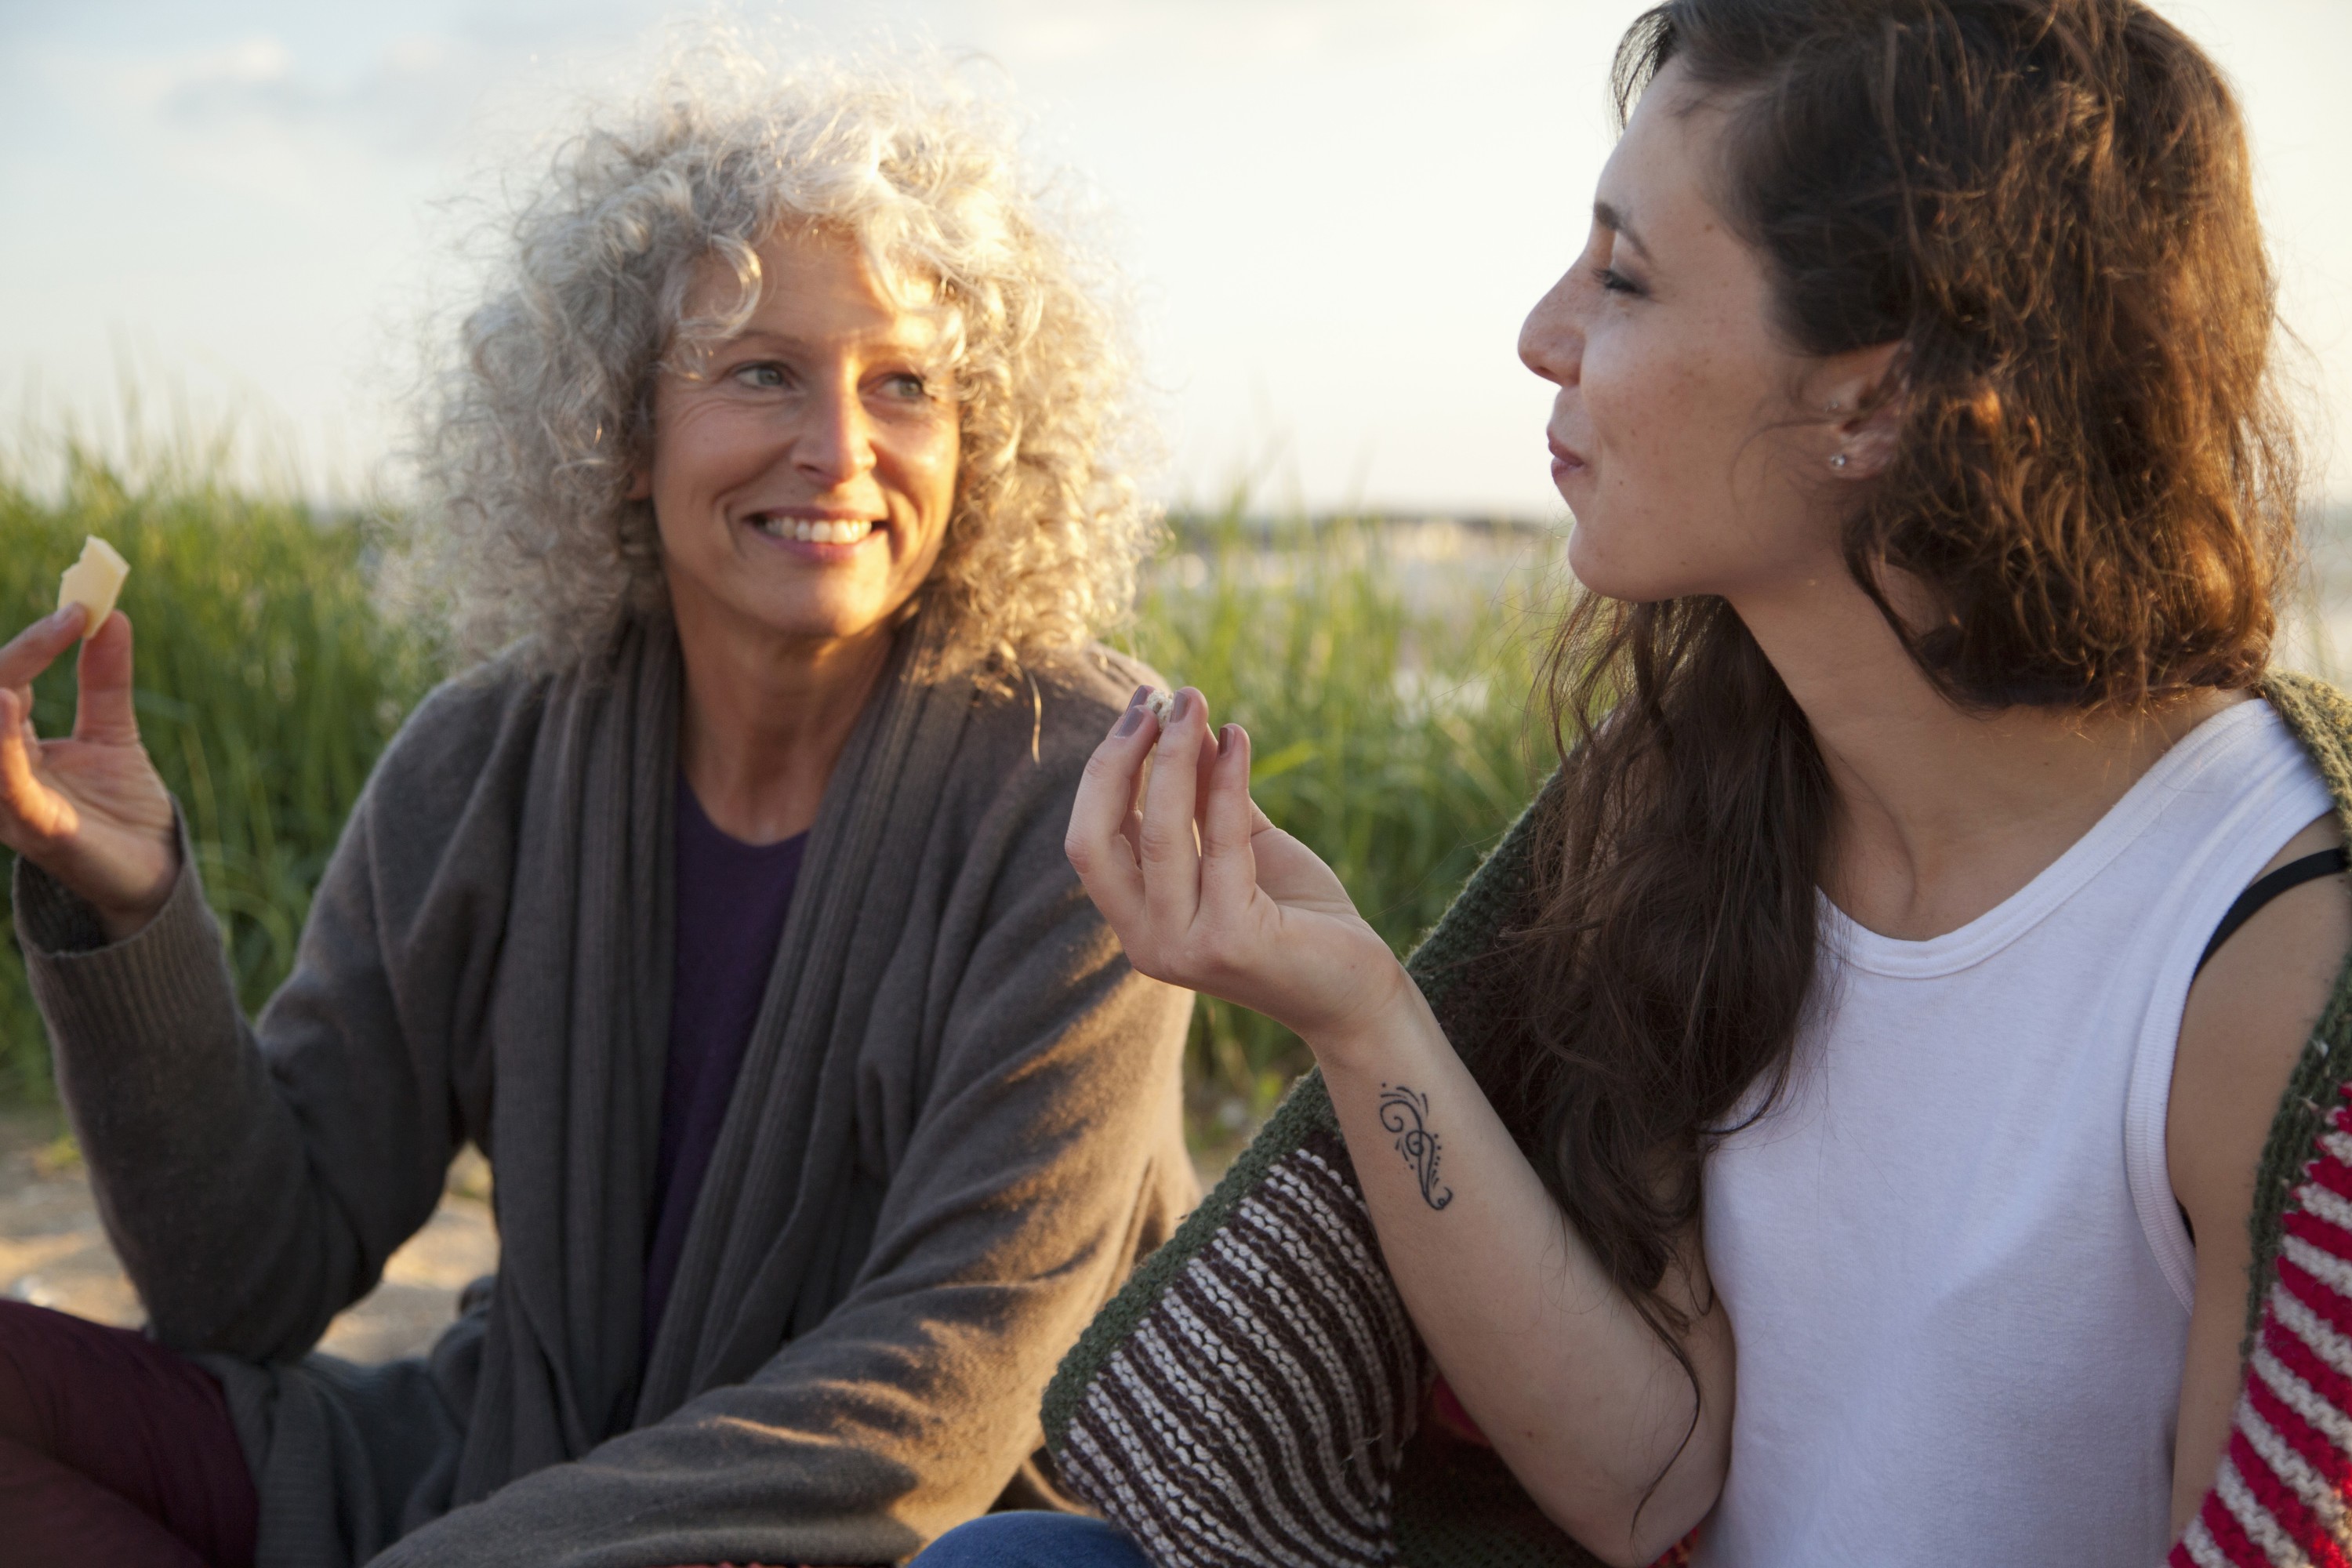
2294, 874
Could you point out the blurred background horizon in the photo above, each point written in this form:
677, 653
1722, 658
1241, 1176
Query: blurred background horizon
1332, 215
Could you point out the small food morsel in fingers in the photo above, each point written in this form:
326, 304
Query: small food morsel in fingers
1163, 704
93, 581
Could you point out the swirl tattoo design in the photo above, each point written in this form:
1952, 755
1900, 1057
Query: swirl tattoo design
1406, 1114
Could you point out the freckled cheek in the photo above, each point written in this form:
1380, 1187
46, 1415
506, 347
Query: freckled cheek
1670, 423
1624, 412
703, 450
1624, 389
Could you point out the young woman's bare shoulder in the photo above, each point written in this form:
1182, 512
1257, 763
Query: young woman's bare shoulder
2250, 1014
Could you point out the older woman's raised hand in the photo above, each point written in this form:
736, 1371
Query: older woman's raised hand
88, 808
1205, 892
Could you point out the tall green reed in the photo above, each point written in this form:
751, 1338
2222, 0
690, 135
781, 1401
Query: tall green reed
1384, 685
267, 681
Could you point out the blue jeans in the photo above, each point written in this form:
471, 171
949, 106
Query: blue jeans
1033, 1541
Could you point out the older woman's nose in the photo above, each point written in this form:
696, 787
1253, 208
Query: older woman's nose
834, 443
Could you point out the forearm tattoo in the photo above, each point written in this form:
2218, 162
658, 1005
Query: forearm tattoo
1405, 1113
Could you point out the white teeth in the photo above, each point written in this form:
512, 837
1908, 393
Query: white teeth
820, 532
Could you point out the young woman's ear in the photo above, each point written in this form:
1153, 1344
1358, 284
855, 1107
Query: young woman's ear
1859, 395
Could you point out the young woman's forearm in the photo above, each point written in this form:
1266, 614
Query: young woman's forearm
1583, 1402
1589, 1408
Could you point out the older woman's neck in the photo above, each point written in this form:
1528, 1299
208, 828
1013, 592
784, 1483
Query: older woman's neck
765, 723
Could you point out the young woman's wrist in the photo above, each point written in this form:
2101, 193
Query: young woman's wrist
1391, 1022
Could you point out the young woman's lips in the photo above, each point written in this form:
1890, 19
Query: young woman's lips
1566, 461
817, 536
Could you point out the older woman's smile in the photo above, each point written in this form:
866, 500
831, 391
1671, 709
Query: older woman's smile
831, 538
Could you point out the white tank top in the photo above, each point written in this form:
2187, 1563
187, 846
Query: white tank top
1957, 1282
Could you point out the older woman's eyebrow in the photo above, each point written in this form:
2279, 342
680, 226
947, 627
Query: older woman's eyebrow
895, 339
1610, 218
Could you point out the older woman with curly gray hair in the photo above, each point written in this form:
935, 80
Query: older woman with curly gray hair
723, 907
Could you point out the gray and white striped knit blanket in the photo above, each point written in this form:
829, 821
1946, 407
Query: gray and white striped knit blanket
1252, 1398
1256, 1416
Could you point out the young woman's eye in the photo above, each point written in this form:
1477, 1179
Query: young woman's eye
1615, 282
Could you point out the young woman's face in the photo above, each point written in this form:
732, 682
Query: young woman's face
803, 470
1680, 439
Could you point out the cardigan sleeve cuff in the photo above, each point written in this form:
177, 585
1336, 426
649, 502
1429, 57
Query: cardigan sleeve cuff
154, 980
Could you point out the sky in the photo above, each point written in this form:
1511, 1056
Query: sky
1332, 214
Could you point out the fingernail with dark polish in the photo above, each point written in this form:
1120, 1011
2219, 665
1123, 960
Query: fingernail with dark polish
1141, 693
1226, 738
1183, 707
1128, 721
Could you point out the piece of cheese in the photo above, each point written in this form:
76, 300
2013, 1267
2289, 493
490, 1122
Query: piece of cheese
1161, 704
93, 581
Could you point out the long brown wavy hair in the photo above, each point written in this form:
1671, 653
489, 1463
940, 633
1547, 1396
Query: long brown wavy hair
2047, 204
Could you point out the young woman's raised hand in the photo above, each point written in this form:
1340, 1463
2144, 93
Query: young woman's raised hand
1204, 892
88, 808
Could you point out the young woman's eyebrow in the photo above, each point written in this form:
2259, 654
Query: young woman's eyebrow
1610, 218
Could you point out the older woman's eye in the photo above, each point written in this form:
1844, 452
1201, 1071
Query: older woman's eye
761, 375
907, 383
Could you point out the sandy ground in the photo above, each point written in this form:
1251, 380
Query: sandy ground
54, 1253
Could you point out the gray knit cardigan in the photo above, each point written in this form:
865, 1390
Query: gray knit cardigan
1250, 1399
957, 1123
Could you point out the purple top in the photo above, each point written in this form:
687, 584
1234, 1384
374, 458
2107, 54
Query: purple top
731, 901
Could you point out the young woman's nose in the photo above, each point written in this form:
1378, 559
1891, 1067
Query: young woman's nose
1551, 340
834, 443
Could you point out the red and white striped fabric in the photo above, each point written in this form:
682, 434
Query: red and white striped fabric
2284, 1496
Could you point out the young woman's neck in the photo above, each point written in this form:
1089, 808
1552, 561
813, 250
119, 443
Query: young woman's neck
765, 719
1942, 813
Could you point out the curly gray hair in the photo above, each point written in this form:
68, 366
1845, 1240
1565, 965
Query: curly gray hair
543, 416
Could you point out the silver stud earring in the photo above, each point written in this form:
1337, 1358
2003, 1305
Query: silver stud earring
1839, 461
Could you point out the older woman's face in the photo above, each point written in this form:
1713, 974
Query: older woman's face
803, 470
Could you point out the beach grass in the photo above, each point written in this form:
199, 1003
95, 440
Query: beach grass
267, 681
1381, 669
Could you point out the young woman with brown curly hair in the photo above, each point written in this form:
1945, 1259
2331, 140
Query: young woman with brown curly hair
1930, 505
